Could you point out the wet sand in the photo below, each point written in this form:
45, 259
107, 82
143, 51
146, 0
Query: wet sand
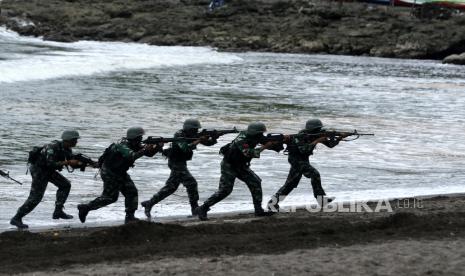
427, 238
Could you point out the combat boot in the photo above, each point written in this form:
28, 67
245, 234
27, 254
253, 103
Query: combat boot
147, 208
194, 207
259, 212
83, 211
18, 222
60, 214
202, 212
262, 213
130, 218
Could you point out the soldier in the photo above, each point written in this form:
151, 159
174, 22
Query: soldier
299, 153
44, 166
178, 154
115, 162
214, 4
236, 164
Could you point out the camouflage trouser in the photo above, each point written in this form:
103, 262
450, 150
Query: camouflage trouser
179, 174
299, 168
112, 186
40, 179
228, 176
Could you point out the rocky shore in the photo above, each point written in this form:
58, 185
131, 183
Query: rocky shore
293, 26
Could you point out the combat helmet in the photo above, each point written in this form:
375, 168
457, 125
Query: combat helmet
191, 124
256, 128
134, 132
313, 124
69, 135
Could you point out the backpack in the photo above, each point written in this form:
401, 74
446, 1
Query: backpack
35, 156
105, 155
224, 150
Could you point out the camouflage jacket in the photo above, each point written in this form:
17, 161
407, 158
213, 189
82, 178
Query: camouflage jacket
53, 154
182, 151
241, 150
301, 150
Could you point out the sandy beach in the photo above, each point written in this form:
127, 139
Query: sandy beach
419, 237
414, 236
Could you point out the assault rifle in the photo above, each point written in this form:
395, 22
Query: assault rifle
7, 176
215, 133
153, 140
333, 134
274, 137
85, 161
310, 137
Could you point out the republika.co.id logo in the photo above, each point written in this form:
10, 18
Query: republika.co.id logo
367, 206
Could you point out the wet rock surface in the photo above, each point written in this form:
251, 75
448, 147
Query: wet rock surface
455, 59
294, 26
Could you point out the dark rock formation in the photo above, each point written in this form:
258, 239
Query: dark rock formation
455, 59
294, 26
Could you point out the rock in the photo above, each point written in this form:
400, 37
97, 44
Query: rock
410, 49
314, 46
382, 51
412, 45
241, 25
59, 37
136, 34
150, 40
455, 59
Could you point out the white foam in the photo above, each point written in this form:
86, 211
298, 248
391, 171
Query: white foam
85, 58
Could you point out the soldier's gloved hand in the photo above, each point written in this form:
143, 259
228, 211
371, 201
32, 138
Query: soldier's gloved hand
73, 163
286, 139
149, 147
150, 150
203, 139
269, 144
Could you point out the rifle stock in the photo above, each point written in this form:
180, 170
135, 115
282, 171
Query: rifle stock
85, 161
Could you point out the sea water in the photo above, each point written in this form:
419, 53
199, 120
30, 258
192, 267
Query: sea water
415, 108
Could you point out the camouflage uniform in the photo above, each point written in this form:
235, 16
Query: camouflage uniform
45, 170
178, 155
236, 164
299, 153
117, 160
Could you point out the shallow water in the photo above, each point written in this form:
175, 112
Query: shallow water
415, 108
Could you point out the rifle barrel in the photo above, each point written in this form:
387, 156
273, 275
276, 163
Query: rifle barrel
7, 176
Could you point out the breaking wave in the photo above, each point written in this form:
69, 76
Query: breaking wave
26, 59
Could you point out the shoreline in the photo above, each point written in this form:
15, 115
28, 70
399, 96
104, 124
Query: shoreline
225, 240
183, 219
293, 26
